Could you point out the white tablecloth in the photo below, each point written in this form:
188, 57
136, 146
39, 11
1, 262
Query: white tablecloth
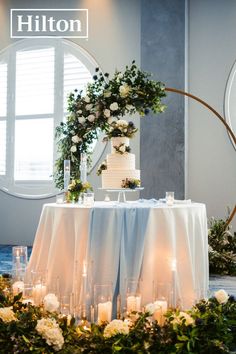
127, 240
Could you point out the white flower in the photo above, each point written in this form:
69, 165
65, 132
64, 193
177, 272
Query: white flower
88, 107
183, 317
79, 111
51, 332
150, 308
81, 120
124, 90
7, 315
116, 327
107, 94
76, 139
111, 120
91, 118
87, 99
119, 76
129, 107
107, 113
122, 148
51, 302
114, 106
73, 148
122, 123
221, 296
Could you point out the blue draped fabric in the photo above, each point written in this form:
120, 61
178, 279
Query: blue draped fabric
116, 237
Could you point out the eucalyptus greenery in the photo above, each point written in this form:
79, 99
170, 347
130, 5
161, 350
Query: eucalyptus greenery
105, 100
222, 247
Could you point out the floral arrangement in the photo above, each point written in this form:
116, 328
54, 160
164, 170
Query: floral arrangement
209, 327
106, 100
121, 128
222, 248
102, 167
122, 149
76, 187
131, 183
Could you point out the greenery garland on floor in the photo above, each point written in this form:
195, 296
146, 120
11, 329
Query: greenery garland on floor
208, 328
222, 247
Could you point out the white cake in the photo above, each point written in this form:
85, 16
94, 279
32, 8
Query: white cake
119, 166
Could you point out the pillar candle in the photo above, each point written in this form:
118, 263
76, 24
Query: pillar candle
133, 303
104, 312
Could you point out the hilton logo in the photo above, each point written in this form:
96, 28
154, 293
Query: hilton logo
41, 23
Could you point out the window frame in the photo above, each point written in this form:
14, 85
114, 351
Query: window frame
27, 188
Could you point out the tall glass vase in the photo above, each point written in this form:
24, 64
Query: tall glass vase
83, 167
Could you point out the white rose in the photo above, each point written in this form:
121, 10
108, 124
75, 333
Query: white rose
79, 111
114, 106
129, 107
107, 113
76, 139
73, 148
150, 308
91, 118
81, 120
111, 120
88, 107
87, 99
51, 302
122, 123
122, 148
116, 327
107, 94
124, 90
7, 315
119, 76
221, 296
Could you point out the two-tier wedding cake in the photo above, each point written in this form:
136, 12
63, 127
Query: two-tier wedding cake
120, 164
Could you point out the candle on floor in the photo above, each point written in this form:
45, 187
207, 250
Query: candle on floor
160, 310
18, 287
133, 303
39, 291
104, 312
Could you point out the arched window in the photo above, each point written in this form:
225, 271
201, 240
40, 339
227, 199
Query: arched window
36, 76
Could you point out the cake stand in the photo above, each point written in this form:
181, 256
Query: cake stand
121, 192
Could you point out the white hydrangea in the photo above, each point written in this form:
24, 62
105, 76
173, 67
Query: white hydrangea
183, 317
51, 302
107, 113
51, 332
114, 106
124, 90
221, 296
91, 118
73, 148
116, 327
7, 315
76, 139
81, 120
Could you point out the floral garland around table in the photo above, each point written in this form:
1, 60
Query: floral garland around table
209, 327
106, 100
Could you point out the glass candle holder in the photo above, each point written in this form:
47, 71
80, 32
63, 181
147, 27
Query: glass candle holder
66, 174
88, 199
28, 294
18, 287
83, 167
133, 296
170, 198
19, 261
67, 304
103, 303
60, 198
161, 301
39, 286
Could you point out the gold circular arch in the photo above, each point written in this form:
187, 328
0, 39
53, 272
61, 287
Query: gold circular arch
227, 127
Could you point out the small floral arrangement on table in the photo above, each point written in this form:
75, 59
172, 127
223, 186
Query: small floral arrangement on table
76, 188
208, 327
131, 183
121, 128
104, 101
